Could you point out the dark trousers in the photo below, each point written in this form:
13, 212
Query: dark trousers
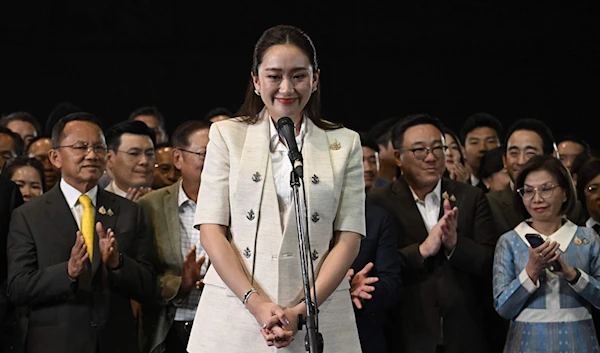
178, 337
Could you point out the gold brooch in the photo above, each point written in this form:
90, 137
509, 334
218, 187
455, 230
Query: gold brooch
577, 241
445, 196
102, 210
335, 145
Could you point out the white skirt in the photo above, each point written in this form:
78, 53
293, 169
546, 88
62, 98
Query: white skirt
223, 325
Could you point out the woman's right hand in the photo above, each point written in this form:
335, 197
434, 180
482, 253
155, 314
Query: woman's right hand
540, 258
272, 319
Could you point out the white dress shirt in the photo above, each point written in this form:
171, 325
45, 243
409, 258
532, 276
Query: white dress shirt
474, 180
430, 207
116, 190
282, 167
189, 236
72, 196
591, 222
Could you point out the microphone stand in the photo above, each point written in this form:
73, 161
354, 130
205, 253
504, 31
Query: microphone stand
313, 341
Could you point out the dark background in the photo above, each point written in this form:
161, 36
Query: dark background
513, 60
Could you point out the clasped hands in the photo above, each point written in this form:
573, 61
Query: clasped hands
278, 325
79, 254
443, 233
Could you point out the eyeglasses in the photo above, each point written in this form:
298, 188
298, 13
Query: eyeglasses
544, 191
202, 154
136, 154
84, 149
422, 152
593, 189
166, 168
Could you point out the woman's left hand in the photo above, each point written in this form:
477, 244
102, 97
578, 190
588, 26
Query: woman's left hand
567, 272
283, 335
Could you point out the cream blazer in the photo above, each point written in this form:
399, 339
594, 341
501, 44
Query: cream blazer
238, 191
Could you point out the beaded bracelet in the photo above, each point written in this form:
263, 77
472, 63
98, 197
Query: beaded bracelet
247, 295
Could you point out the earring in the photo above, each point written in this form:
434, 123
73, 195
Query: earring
256, 92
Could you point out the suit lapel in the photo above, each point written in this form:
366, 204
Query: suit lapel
252, 171
318, 173
107, 211
171, 212
411, 217
60, 214
448, 189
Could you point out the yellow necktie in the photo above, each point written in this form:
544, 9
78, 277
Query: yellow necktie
87, 223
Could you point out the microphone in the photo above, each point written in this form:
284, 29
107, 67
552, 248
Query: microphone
286, 129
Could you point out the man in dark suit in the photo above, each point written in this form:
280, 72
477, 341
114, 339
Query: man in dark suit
480, 133
78, 254
10, 198
525, 138
446, 240
375, 273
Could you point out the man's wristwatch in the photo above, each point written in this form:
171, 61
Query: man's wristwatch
576, 278
118, 267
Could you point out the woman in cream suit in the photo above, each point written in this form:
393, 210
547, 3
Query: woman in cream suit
245, 190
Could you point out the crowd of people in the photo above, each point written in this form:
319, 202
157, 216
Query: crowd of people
424, 239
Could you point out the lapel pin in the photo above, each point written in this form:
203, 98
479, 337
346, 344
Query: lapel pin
110, 212
585, 241
450, 198
256, 177
102, 210
335, 145
315, 179
577, 241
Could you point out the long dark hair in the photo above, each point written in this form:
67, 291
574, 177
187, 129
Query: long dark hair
278, 35
11, 167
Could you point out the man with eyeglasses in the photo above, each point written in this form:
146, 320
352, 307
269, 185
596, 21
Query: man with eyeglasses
77, 255
181, 256
588, 192
131, 157
446, 240
165, 173
11, 145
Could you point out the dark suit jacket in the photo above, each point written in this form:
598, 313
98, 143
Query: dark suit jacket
92, 314
480, 185
10, 198
506, 217
438, 287
380, 247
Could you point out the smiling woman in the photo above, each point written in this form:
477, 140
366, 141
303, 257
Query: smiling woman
547, 305
251, 299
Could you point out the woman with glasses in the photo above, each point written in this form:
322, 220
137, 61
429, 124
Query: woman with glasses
547, 291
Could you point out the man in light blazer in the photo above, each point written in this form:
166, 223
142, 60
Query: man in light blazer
181, 259
79, 290
446, 240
